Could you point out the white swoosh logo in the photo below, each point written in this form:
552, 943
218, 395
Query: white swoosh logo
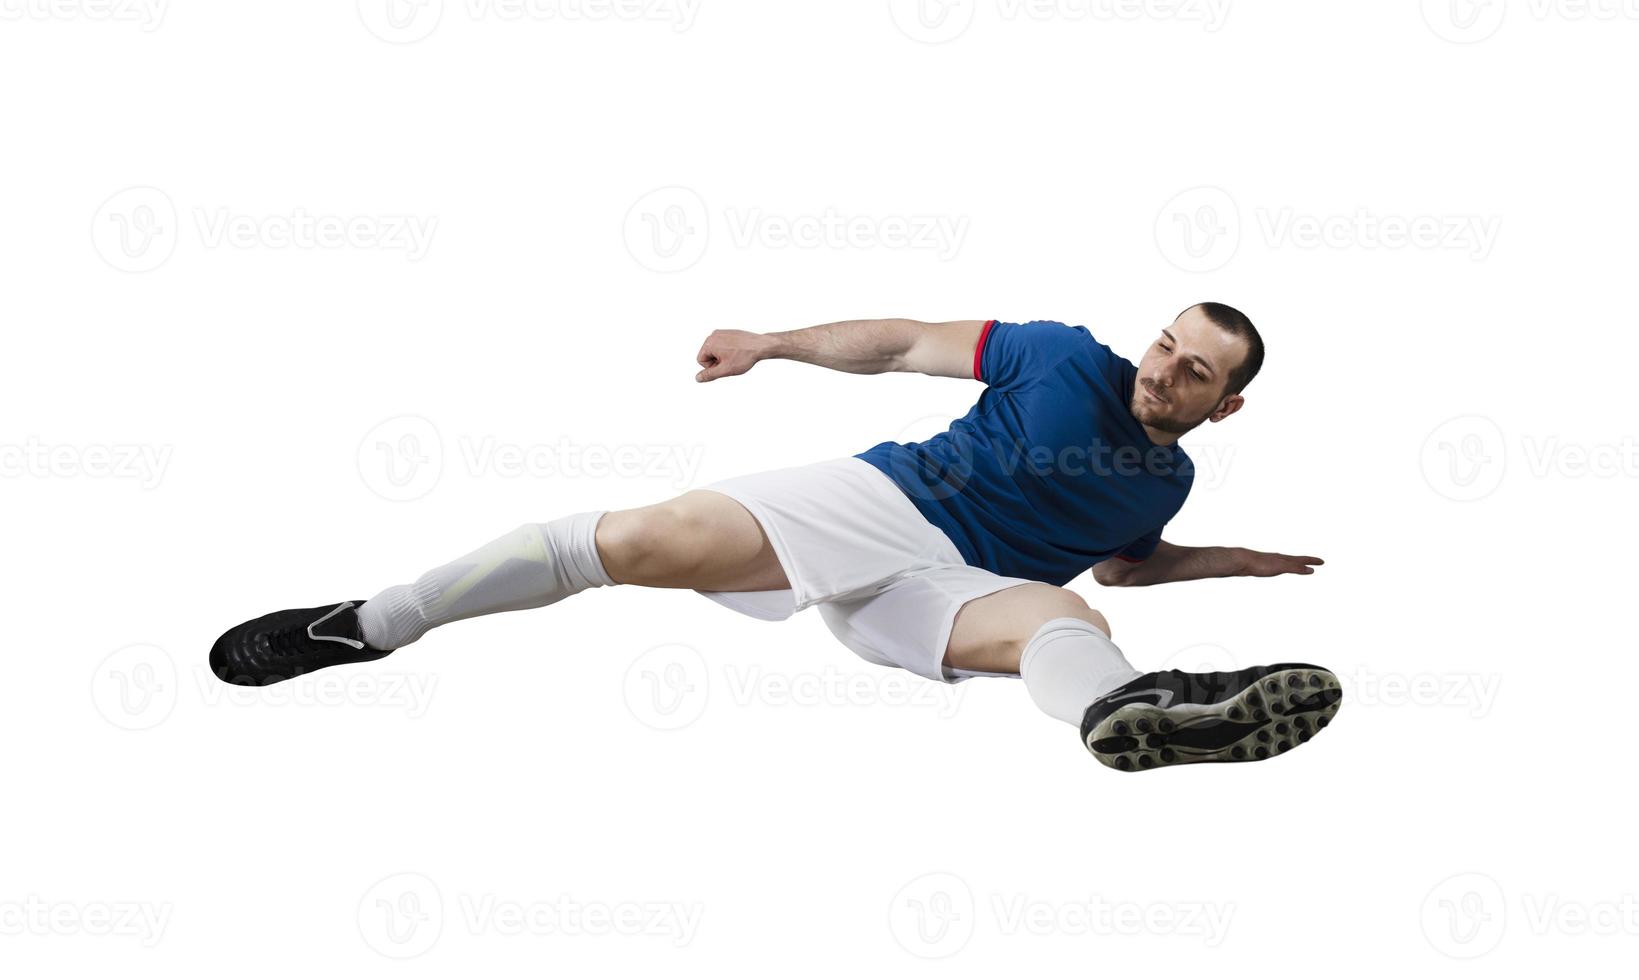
355, 644
1165, 696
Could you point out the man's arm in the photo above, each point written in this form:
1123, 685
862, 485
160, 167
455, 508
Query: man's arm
943, 350
1176, 563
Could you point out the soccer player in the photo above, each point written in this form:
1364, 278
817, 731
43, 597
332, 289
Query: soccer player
947, 558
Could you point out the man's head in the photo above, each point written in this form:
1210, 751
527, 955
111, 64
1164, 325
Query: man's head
1196, 369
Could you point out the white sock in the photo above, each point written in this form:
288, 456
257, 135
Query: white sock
1068, 665
536, 565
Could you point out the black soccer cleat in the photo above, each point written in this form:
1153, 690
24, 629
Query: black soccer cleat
284, 644
1171, 717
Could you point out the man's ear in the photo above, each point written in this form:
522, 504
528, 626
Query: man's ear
1229, 406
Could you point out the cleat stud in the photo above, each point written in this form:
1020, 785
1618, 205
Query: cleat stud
1167, 755
1281, 729
1238, 752
1273, 687
1254, 699
1262, 753
1282, 745
1303, 736
1142, 724
1145, 761
1164, 725
1121, 728
1236, 714
1122, 762
1321, 721
1263, 736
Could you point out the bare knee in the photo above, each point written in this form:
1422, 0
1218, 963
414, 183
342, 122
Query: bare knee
1044, 603
649, 542
701, 540
991, 633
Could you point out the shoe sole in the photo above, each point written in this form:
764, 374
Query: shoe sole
1269, 717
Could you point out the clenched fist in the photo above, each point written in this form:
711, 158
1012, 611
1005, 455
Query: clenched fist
729, 352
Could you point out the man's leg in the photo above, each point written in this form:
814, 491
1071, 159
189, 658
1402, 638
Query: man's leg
1132, 721
701, 540
1050, 637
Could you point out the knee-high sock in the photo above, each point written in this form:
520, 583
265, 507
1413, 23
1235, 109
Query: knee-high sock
1068, 665
536, 565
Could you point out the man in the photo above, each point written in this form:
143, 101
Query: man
946, 558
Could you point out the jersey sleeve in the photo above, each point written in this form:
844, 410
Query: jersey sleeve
1142, 548
1012, 355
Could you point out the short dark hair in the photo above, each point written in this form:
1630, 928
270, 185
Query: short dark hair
1236, 323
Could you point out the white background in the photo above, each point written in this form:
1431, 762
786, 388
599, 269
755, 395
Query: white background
209, 413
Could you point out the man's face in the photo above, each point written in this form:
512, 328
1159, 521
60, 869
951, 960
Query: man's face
1183, 377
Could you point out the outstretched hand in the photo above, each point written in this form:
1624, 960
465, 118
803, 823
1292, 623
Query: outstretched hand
1264, 564
727, 353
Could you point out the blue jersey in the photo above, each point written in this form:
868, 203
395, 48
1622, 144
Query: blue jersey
1049, 474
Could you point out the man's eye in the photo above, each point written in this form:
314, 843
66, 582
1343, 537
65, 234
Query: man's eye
1166, 348
1199, 376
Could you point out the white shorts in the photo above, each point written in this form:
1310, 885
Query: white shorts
887, 583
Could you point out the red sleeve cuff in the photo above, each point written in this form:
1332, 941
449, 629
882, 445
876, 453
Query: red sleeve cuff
979, 349
1134, 561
